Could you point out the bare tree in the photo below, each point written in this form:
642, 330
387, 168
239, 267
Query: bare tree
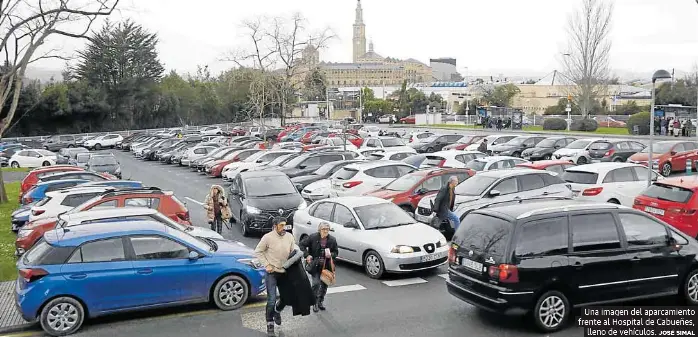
586, 60
25, 26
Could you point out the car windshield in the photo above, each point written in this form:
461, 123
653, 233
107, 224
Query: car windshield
517, 141
668, 193
547, 143
253, 158
384, 215
404, 183
327, 168
579, 144
465, 140
103, 161
280, 160
260, 186
660, 147
474, 186
431, 138
392, 142
476, 165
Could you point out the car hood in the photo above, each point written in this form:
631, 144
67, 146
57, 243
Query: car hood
273, 203
416, 234
307, 179
644, 156
228, 247
384, 194
40, 222
216, 162
319, 186
21, 216
203, 232
538, 149
23, 208
568, 152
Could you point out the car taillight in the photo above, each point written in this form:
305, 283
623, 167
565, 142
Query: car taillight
411, 139
637, 202
505, 273
590, 192
351, 184
183, 215
32, 274
681, 211
36, 212
452, 254
609, 153
442, 163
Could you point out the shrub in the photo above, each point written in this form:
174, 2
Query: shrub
586, 124
554, 123
642, 120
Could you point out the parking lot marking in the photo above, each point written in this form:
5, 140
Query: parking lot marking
23, 334
405, 282
444, 276
344, 289
194, 201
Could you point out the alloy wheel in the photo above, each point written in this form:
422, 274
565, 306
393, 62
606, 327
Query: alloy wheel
551, 312
231, 293
692, 288
666, 169
62, 317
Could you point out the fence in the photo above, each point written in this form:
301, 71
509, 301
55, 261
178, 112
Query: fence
532, 120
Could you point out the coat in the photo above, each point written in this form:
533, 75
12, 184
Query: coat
294, 287
208, 204
311, 247
482, 147
441, 203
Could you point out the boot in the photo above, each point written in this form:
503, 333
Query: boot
277, 313
270, 329
321, 305
316, 307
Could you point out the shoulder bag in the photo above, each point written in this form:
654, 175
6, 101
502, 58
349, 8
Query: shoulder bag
327, 276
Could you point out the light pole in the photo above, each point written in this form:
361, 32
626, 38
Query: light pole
658, 75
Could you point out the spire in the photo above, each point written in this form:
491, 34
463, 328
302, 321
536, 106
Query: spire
370, 47
359, 13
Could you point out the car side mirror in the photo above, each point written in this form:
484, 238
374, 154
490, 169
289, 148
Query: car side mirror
421, 191
494, 193
194, 255
302, 167
673, 153
351, 225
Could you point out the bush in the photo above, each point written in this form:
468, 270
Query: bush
554, 123
642, 120
586, 124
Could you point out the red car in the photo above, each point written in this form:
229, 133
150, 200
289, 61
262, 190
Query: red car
462, 143
238, 131
668, 156
215, 169
34, 175
674, 201
557, 166
409, 189
307, 138
354, 139
408, 120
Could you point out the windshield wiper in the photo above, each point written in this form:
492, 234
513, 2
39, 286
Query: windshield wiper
275, 195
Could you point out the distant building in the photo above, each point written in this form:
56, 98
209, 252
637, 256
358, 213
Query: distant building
444, 69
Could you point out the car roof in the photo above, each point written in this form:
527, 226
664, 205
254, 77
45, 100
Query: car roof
100, 213
495, 158
75, 236
452, 152
601, 167
358, 201
44, 183
524, 209
688, 182
545, 163
371, 164
509, 173
80, 190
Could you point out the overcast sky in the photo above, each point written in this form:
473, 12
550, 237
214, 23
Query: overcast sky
490, 36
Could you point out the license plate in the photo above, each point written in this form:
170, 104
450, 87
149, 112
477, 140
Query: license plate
654, 210
476, 266
527, 157
432, 257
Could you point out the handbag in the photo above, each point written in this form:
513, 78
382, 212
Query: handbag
327, 276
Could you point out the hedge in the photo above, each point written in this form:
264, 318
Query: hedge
586, 124
554, 123
642, 120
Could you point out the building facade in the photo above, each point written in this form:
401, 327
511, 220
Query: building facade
444, 69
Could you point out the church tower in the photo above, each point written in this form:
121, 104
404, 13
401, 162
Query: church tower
359, 41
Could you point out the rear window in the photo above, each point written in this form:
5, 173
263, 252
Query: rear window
600, 146
45, 254
392, 142
43, 201
667, 192
484, 234
345, 174
579, 177
476, 165
376, 156
432, 161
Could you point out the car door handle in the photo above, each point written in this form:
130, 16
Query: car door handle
78, 276
578, 264
546, 193
635, 259
308, 223
145, 271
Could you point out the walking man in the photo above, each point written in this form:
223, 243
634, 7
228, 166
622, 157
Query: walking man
273, 251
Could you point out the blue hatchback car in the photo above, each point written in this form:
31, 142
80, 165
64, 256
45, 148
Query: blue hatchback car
87, 271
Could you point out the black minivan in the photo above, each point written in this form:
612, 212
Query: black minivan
548, 256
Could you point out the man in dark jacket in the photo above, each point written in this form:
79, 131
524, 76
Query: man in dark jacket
483, 146
444, 202
320, 249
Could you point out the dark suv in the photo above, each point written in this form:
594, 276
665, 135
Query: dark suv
614, 150
546, 257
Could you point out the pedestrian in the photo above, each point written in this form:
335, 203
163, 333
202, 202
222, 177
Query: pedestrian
445, 201
280, 256
320, 250
483, 146
217, 209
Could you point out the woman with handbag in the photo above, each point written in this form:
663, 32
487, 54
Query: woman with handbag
217, 208
320, 249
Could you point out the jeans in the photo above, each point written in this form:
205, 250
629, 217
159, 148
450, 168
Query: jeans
272, 296
217, 224
453, 217
319, 287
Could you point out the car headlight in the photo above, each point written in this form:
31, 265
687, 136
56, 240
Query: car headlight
443, 242
253, 210
23, 233
402, 250
303, 205
254, 263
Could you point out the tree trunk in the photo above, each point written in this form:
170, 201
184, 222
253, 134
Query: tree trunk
3, 192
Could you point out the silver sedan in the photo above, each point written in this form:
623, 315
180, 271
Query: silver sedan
374, 233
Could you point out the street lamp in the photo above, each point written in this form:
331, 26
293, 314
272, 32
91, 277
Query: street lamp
658, 75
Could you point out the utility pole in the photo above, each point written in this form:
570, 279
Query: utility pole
569, 111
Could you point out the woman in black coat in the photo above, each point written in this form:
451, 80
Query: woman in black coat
320, 249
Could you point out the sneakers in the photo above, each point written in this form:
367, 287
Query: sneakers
277, 314
316, 308
321, 306
270, 329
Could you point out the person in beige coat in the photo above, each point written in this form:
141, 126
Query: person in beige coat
216, 207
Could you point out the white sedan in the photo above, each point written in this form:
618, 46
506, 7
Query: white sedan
32, 158
617, 183
108, 140
376, 234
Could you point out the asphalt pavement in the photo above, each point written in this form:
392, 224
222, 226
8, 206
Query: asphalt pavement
402, 305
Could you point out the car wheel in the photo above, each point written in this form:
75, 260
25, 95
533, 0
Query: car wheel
62, 316
430, 150
373, 265
70, 146
551, 311
245, 229
14, 164
666, 169
547, 157
230, 293
690, 288
517, 154
98, 147
618, 159
614, 201
46, 163
582, 160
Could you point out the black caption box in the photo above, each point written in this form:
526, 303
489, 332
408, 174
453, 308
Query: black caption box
639, 321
